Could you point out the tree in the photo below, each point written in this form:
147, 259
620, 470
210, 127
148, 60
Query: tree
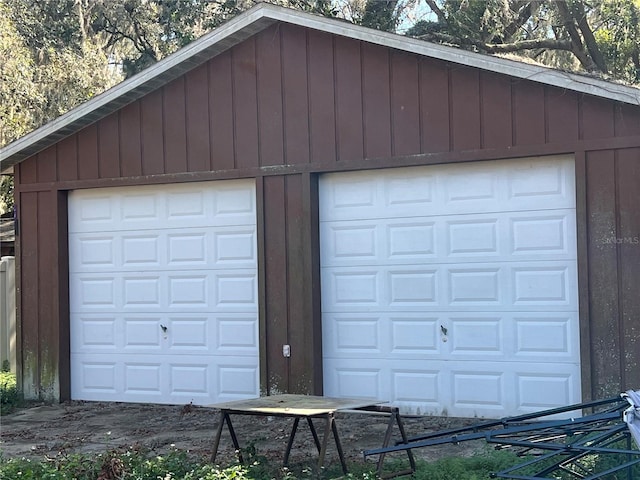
46, 68
601, 38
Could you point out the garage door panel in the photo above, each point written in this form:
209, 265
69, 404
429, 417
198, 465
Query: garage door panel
481, 391
476, 286
539, 235
552, 284
193, 248
228, 334
237, 380
458, 280
358, 380
92, 292
480, 187
417, 386
164, 379
539, 334
236, 334
500, 237
235, 290
363, 335
476, 337
234, 247
544, 386
93, 212
539, 184
96, 332
163, 292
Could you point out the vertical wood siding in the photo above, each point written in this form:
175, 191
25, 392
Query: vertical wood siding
294, 97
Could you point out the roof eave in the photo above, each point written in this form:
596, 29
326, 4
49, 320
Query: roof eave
196, 53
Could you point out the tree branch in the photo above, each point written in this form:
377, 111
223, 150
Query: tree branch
523, 16
442, 18
543, 43
577, 46
589, 38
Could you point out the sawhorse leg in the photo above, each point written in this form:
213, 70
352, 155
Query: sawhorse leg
395, 418
225, 418
316, 440
330, 428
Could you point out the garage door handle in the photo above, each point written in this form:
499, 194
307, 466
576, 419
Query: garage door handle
164, 329
443, 330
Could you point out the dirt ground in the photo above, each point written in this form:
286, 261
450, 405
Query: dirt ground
87, 427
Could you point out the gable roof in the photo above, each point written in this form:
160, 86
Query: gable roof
259, 18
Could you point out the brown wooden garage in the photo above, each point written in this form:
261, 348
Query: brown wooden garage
280, 99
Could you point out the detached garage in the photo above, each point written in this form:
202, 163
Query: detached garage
297, 204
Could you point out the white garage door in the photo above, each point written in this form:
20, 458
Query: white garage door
163, 293
452, 290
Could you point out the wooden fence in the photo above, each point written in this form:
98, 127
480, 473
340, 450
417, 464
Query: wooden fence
8, 313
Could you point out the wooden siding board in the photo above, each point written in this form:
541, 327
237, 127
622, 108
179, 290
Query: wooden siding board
497, 121
221, 112
61, 296
68, 159
276, 282
48, 328
405, 104
376, 101
348, 85
130, 141
562, 117
270, 91
627, 120
597, 118
88, 167
465, 108
175, 132
603, 274
263, 325
46, 165
295, 93
245, 105
152, 133
301, 363
311, 294
197, 119
28, 170
322, 113
434, 106
29, 290
109, 147
628, 242
528, 113
582, 245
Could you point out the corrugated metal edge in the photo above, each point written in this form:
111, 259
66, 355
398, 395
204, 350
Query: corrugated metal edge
260, 17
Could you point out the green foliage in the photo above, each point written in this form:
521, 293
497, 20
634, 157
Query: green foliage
6, 193
135, 464
601, 37
618, 36
10, 397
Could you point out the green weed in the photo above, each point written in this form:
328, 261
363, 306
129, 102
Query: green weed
10, 397
135, 464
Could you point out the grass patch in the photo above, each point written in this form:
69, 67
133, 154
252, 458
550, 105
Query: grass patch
135, 464
10, 397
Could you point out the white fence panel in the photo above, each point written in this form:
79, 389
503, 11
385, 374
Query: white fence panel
8, 312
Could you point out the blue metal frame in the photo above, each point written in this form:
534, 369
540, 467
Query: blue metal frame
552, 447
